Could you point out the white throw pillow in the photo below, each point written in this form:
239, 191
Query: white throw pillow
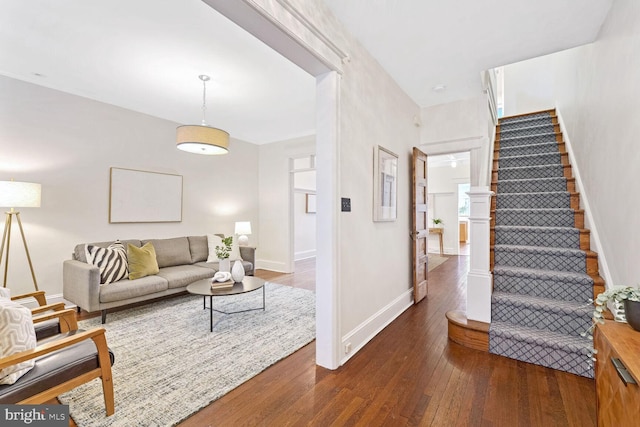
16, 334
5, 293
213, 241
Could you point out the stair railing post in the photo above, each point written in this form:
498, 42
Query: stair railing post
479, 278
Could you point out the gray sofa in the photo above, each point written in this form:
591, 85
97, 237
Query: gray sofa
181, 260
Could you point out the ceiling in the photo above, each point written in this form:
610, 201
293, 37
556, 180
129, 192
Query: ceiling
146, 55
427, 43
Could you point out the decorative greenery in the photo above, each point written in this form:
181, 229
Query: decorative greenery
616, 295
437, 221
223, 252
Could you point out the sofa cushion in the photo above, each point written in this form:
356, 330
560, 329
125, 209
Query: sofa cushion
142, 261
180, 276
199, 248
170, 252
16, 334
111, 261
126, 289
79, 253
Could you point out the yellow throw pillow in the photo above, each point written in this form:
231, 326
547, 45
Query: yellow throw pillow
142, 261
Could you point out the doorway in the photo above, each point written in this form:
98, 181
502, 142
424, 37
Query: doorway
304, 209
449, 180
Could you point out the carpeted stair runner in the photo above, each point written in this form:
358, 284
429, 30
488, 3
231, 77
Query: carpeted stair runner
540, 304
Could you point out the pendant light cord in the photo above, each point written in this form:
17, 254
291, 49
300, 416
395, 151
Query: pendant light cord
204, 79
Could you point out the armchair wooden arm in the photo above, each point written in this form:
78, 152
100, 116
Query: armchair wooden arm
54, 307
66, 318
38, 295
103, 370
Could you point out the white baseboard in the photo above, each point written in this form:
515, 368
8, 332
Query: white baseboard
361, 335
298, 256
278, 266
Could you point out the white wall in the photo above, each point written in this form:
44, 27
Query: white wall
464, 125
443, 183
597, 91
453, 121
532, 85
375, 257
275, 238
68, 143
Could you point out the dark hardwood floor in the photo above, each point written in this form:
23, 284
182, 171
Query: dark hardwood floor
410, 374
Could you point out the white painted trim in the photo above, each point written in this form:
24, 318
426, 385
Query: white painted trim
584, 201
265, 264
286, 4
266, 20
328, 279
292, 216
479, 289
479, 278
453, 145
311, 253
368, 329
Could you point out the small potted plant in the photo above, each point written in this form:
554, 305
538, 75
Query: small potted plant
627, 305
437, 222
223, 252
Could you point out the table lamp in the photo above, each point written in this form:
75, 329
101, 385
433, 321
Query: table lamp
13, 195
242, 229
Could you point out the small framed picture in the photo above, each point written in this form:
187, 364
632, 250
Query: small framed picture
385, 184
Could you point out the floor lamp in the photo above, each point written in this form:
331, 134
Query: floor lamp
17, 195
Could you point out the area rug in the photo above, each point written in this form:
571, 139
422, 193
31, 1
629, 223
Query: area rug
168, 365
435, 260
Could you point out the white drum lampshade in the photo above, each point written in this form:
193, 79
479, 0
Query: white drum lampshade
14, 194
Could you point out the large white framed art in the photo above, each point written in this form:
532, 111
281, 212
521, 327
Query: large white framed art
385, 184
142, 196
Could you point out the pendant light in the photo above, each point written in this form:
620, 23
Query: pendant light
202, 139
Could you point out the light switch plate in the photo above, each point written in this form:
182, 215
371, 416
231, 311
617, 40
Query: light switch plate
346, 204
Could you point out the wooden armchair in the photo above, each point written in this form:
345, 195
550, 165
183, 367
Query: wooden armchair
42, 302
63, 362
45, 328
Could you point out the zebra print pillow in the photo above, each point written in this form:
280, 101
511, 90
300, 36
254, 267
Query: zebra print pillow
112, 261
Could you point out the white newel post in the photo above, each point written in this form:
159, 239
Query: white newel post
479, 279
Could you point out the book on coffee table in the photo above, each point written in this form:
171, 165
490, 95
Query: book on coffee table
222, 285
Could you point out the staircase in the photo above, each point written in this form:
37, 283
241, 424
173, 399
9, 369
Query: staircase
543, 270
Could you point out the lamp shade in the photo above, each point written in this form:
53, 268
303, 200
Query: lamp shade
202, 140
243, 227
14, 194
